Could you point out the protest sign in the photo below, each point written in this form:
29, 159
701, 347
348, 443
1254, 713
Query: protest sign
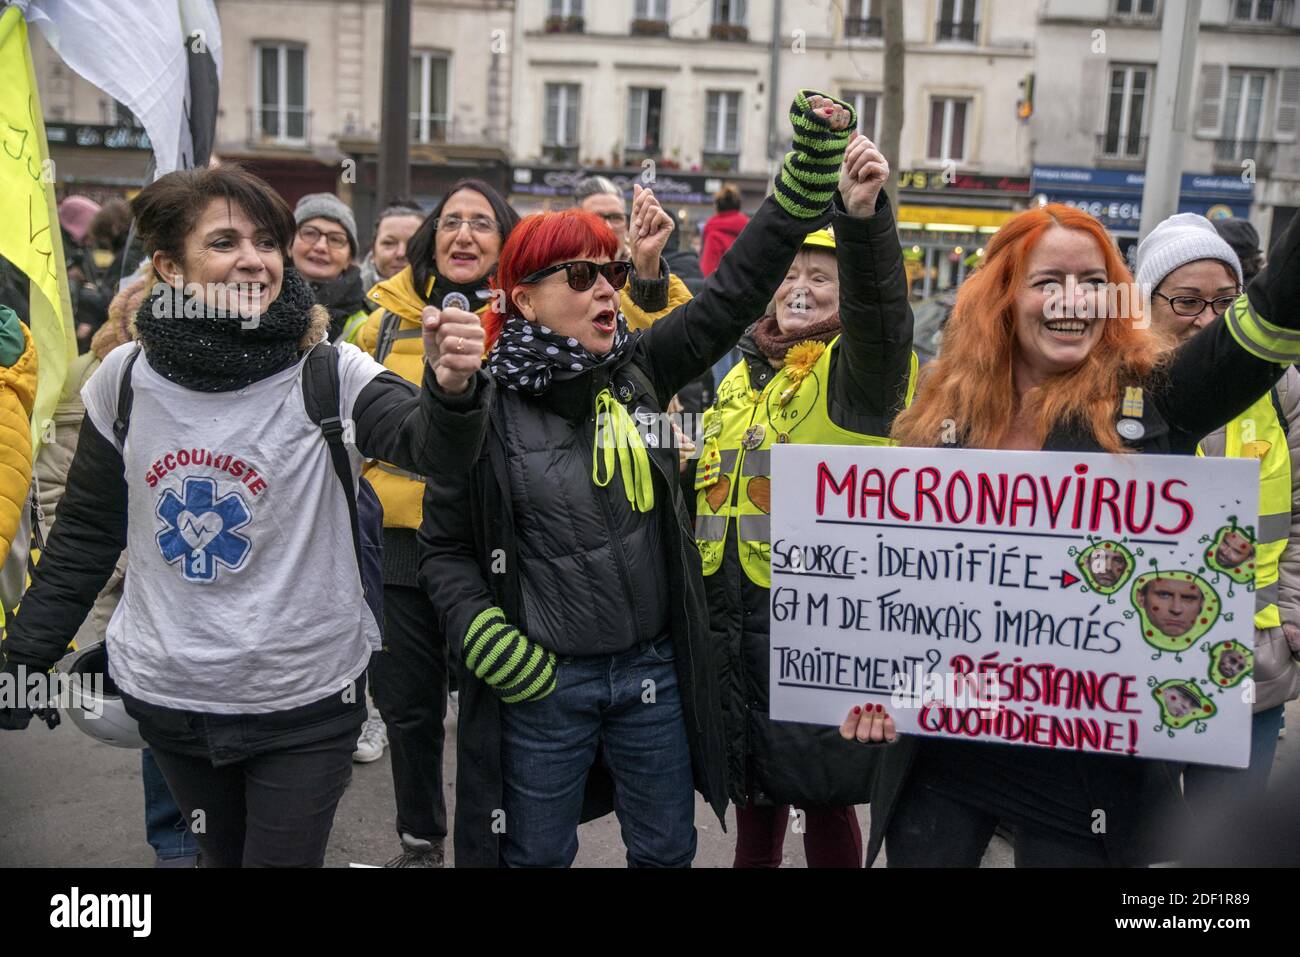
1082, 602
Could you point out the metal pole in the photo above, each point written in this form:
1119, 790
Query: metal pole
1173, 99
394, 130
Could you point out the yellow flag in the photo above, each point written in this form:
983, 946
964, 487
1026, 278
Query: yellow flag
29, 225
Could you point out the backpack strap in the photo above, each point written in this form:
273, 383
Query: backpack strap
125, 397
320, 393
1281, 413
389, 332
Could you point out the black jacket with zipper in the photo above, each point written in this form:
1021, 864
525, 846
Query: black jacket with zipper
771, 762
499, 521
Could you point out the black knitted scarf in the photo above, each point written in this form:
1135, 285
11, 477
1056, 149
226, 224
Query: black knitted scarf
212, 351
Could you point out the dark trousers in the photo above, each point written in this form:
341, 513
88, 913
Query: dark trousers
409, 684
928, 829
831, 836
269, 810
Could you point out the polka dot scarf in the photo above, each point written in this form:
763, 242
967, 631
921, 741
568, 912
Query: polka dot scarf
528, 355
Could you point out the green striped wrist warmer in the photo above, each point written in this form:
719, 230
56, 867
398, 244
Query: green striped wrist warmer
514, 667
811, 172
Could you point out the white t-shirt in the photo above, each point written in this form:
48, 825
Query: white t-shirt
242, 593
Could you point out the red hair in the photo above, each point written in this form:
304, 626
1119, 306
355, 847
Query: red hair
542, 240
971, 386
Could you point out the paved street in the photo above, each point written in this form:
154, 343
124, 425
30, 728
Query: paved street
68, 801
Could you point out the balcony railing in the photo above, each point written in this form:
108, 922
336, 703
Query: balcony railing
1121, 148
1231, 154
275, 127
862, 27
729, 31
650, 28
560, 155
946, 31
565, 24
721, 162
1274, 13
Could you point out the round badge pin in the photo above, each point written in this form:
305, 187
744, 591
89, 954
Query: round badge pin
455, 300
1130, 429
753, 437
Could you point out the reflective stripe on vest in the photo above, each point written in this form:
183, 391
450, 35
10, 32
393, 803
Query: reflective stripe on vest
743, 487
1258, 434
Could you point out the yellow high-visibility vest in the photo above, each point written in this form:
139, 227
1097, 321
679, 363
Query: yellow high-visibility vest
733, 477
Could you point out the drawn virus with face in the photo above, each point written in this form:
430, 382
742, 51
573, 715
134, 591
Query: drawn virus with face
1230, 663
1106, 566
1175, 608
1232, 553
1182, 703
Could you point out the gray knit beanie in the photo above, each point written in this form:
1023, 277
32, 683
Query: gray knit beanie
1179, 240
327, 206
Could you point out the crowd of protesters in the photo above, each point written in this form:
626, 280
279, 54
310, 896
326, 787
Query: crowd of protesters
390, 478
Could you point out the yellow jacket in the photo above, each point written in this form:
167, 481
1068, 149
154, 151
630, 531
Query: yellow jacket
638, 318
17, 394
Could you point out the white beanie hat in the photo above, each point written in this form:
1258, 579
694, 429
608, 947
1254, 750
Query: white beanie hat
1179, 240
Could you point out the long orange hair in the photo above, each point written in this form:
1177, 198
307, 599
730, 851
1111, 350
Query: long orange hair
970, 389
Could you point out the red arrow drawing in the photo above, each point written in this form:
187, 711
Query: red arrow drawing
1067, 579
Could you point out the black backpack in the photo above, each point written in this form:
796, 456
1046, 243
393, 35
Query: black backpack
320, 393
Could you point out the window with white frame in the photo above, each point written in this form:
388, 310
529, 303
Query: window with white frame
1244, 102
281, 95
1127, 105
722, 122
650, 10
867, 106
1136, 9
948, 119
729, 11
563, 101
644, 119
1255, 11
428, 98
958, 21
862, 18
566, 8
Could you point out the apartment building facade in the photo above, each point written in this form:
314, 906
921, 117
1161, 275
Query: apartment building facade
1099, 58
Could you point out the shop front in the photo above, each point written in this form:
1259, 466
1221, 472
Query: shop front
1115, 197
99, 162
946, 218
687, 196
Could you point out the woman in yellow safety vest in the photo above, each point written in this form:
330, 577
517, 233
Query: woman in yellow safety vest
1192, 276
830, 364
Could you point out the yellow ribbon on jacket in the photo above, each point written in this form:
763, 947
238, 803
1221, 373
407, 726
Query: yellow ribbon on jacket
618, 436
29, 225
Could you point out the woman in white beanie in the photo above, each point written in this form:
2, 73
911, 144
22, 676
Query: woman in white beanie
1190, 276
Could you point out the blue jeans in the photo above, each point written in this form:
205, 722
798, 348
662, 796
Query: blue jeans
628, 706
165, 825
1206, 786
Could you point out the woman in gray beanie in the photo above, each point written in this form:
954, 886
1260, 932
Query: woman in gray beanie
323, 250
1190, 276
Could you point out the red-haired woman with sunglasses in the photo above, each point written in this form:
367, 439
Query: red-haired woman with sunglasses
557, 550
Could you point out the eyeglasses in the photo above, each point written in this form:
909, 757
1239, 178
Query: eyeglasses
581, 274
311, 236
1189, 307
452, 224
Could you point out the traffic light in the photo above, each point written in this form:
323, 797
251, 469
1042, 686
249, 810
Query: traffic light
1025, 107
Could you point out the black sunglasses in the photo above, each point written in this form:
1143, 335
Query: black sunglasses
581, 273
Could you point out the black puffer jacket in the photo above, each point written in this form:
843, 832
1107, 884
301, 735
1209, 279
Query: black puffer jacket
487, 526
782, 762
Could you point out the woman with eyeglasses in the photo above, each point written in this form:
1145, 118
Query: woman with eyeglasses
451, 256
558, 551
1194, 277
323, 249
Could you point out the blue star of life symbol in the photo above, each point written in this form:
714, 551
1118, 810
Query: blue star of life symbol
201, 529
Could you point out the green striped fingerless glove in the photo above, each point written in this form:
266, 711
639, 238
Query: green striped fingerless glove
514, 667
811, 172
